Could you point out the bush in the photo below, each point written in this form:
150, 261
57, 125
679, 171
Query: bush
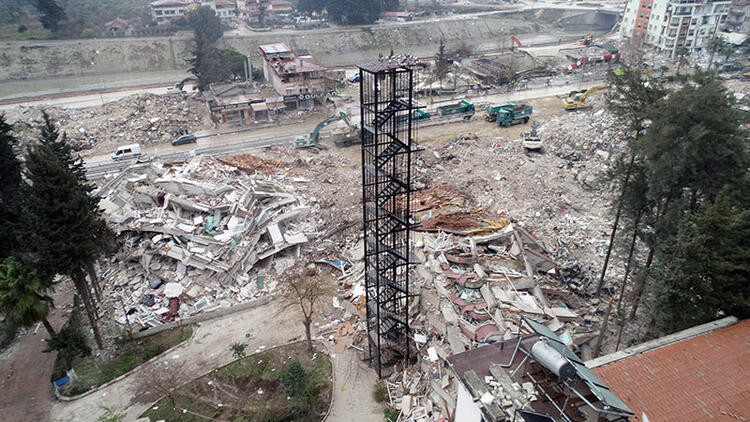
22, 28
381, 392
391, 415
295, 379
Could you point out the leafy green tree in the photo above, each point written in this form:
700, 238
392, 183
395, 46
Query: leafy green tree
10, 182
706, 274
51, 14
70, 342
717, 44
354, 12
682, 54
233, 63
23, 298
261, 14
207, 63
310, 6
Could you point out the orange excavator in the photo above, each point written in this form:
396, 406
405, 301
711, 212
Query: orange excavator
587, 40
516, 41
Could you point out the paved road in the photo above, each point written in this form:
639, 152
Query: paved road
234, 143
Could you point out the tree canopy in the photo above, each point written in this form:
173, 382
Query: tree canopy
50, 14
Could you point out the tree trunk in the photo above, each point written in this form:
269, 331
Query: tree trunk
641, 283
49, 328
630, 261
89, 264
614, 226
80, 282
307, 322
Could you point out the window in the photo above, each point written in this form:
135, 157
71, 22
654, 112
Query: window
691, 32
158, 12
639, 24
693, 22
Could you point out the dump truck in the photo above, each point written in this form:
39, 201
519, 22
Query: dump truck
462, 107
513, 116
492, 111
531, 139
416, 116
578, 100
312, 139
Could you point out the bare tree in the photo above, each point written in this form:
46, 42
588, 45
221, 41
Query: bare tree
307, 289
162, 379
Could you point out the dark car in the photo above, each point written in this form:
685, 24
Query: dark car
184, 139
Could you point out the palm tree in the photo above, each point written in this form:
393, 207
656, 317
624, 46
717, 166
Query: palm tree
22, 297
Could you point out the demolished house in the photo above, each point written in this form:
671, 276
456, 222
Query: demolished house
192, 233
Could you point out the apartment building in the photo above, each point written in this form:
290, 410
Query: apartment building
738, 19
672, 24
295, 75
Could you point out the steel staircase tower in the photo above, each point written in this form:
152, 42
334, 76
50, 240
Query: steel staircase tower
388, 137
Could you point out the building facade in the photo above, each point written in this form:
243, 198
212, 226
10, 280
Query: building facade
164, 11
296, 76
672, 24
738, 19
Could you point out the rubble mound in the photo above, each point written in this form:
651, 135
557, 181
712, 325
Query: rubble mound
146, 119
192, 233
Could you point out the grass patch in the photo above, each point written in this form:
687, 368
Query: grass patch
93, 372
281, 384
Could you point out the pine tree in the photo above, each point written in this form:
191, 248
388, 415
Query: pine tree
62, 224
10, 182
706, 274
442, 63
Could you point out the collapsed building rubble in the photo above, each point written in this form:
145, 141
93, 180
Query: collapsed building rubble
146, 119
192, 233
477, 274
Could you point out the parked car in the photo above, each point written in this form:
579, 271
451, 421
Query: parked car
184, 139
354, 78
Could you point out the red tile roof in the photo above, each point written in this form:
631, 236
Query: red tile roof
704, 378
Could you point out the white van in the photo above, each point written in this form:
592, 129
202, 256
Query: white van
126, 152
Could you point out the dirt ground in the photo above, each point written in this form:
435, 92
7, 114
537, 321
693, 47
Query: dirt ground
25, 369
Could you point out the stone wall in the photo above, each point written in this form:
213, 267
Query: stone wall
332, 47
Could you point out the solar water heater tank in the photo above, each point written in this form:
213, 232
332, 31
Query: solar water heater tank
552, 360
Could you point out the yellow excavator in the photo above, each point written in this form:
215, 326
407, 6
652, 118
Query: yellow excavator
578, 100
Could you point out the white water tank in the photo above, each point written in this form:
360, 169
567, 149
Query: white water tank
552, 360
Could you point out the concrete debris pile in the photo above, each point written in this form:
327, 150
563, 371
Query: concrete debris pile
582, 136
476, 277
146, 119
193, 233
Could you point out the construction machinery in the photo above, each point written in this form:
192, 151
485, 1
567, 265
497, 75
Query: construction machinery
512, 116
586, 40
516, 41
577, 100
312, 139
531, 139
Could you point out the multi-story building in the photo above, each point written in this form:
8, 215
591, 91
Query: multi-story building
738, 19
672, 24
164, 11
296, 76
